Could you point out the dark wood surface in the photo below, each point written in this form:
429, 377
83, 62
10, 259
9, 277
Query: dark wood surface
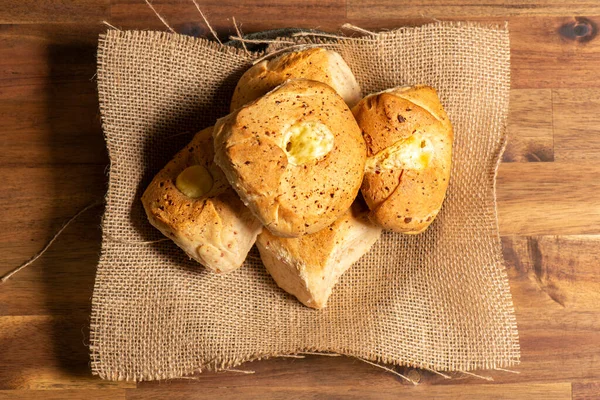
53, 163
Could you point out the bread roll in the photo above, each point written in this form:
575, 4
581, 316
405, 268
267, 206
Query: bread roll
409, 146
308, 267
295, 156
191, 202
316, 64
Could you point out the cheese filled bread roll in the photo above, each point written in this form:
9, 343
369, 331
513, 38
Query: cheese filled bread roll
191, 202
315, 64
295, 156
409, 146
308, 267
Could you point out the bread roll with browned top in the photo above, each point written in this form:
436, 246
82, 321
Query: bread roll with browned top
316, 64
295, 156
191, 202
409, 146
308, 267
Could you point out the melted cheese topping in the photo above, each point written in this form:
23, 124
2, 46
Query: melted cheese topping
307, 141
194, 181
414, 152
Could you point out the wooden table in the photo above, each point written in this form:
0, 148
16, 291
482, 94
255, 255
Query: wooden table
53, 162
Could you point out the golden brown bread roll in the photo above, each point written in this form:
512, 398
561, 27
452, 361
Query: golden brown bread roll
191, 202
409, 147
316, 64
308, 267
295, 156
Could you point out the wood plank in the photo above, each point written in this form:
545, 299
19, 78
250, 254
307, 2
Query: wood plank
564, 267
47, 352
556, 343
57, 130
548, 198
462, 8
59, 33
184, 17
36, 202
561, 52
191, 23
557, 309
530, 135
49, 106
62, 280
576, 124
557, 391
586, 391
53, 11
540, 47
62, 394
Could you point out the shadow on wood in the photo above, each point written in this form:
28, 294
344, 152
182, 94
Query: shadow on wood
70, 265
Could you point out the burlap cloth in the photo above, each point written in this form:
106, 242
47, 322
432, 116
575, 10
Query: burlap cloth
439, 300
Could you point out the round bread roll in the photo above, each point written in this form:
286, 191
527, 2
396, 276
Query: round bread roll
191, 202
308, 267
316, 64
295, 156
409, 147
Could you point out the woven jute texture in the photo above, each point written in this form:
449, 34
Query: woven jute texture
439, 300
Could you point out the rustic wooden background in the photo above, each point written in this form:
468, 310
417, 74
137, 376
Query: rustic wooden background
53, 162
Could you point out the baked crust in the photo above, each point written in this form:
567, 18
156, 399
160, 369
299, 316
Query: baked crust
216, 229
292, 200
308, 267
315, 64
409, 144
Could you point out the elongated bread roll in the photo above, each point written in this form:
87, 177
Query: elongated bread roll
191, 202
308, 267
316, 64
409, 146
296, 157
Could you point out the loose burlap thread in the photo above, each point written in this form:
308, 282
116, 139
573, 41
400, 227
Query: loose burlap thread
439, 300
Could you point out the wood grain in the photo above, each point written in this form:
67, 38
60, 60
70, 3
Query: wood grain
189, 22
564, 267
61, 281
62, 394
541, 47
554, 286
561, 52
586, 391
554, 391
36, 201
47, 352
576, 124
530, 135
33, 11
49, 106
548, 198
251, 15
462, 9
